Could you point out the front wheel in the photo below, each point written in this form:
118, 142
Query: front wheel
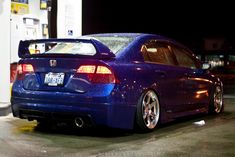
216, 104
148, 111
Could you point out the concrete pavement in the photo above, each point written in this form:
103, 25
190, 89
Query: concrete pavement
185, 138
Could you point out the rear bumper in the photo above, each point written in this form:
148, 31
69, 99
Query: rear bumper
103, 112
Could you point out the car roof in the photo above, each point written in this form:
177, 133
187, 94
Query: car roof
138, 35
141, 35
133, 35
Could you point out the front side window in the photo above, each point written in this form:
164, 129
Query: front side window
184, 58
156, 52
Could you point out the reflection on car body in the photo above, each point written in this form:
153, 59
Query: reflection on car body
115, 80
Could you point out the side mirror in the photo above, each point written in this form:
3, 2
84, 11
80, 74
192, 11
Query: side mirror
206, 66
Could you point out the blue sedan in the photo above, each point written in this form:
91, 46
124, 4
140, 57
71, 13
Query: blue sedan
119, 80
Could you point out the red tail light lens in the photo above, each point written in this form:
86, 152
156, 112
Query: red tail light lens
19, 69
24, 68
86, 69
27, 68
97, 74
103, 70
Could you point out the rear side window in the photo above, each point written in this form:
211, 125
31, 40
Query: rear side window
115, 43
77, 48
155, 52
185, 59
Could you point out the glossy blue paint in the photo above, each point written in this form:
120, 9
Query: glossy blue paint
109, 104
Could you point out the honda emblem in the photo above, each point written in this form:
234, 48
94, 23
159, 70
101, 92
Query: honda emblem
53, 63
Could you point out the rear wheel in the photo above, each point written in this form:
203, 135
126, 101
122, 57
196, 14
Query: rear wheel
148, 111
216, 105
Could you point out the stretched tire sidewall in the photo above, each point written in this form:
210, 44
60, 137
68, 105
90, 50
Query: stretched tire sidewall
211, 104
141, 126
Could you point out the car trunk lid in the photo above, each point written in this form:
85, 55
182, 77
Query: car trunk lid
58, 69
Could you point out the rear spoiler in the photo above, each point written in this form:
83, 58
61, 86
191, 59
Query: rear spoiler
102, 51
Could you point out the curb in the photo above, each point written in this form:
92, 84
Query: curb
5, 109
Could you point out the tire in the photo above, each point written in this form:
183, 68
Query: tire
148, 111
216, 105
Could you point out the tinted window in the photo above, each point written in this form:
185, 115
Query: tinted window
79, 48
115, 43
184, 58
157, 53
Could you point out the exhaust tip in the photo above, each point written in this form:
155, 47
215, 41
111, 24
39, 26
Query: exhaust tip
79, 122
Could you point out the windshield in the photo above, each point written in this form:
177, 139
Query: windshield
115, 43
77, 48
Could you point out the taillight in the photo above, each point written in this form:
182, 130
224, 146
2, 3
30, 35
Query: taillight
19, 69
27, 68
97, 74
86, 69
103, 70
23, 69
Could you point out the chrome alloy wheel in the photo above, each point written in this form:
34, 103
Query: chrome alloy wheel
150, 109
218, 100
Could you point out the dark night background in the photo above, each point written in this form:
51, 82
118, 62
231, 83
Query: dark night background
187, 22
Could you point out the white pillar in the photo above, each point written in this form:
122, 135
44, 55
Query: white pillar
5, 10
69, 18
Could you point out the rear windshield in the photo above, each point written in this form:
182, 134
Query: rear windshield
76, 48
115, 43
